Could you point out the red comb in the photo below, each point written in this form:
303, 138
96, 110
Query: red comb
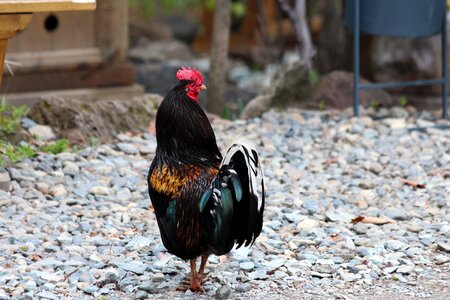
190, 74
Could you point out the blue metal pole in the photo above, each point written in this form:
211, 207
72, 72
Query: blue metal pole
356, 60
444, 68
388, 85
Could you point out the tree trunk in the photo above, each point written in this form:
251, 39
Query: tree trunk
302, 28
297, 16
219, 57
334, 43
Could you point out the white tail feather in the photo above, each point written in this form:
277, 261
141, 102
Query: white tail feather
255, 173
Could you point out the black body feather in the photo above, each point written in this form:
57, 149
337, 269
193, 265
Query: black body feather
202, 206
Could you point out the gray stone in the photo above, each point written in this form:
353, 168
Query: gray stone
311, 205
5, 181
47, 295
127, 148
243, 287
307, 224
138, 242
52, 277
26, 123
441, 259
338, 216
141, 295
389, 270
158, 277
42, 133
395, 214
247, 266
394, 245
405, 269
223, 292
444, 247
260, 274
99, 190
134, 266
148, 287
90, 289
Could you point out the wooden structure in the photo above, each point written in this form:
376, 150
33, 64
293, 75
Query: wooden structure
67, 45
15, 15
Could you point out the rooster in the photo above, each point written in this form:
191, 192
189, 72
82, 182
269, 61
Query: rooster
204, 204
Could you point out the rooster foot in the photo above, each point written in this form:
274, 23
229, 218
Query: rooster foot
203, 278
194, 285
184, 286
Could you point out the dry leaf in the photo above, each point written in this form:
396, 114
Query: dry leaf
357, 219
373, 220
413, 184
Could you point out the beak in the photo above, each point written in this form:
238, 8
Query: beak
203, 87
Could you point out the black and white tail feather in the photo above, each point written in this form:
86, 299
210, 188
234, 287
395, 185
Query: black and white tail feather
235, 200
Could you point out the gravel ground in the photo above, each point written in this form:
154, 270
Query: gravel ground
79, 225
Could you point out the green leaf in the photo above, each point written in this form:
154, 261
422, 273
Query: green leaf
238, 9
314, 76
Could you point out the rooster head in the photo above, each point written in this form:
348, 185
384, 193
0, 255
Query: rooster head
194, 79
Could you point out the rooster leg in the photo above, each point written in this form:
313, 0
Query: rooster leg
201, 271
196, 285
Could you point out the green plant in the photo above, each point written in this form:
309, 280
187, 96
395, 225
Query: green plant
56, 147
402, 101
226, 112
240, 106
375, 104
10, 116
14, 153
322, 105
94, 141
314, 76
238, 9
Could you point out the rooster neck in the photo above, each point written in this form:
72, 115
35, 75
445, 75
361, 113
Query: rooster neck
184, 133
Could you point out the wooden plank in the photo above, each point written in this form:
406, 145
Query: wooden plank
53, 60
114, 75
38, 38
91, 94
12, 24
21, 6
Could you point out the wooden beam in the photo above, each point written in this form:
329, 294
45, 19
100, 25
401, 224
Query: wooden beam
30, 6
110, 75
56, 59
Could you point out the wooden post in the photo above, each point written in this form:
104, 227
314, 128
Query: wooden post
110, 30
10, 24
